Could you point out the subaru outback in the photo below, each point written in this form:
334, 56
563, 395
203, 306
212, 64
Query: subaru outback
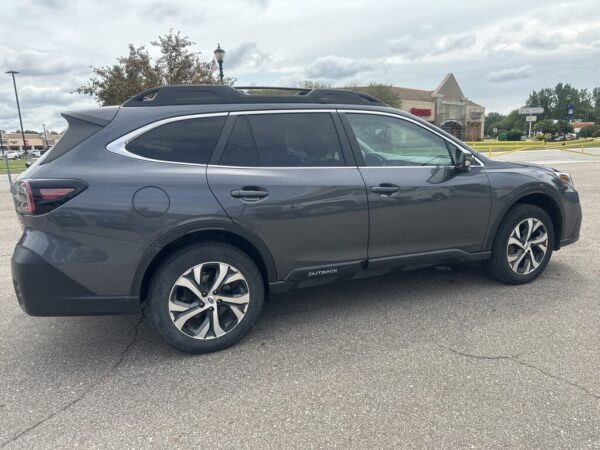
194, 203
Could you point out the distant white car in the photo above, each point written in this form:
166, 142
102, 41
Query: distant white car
12, 154
36, 153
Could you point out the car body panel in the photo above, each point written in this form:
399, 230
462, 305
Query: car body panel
311, 216
314, 226
436, 208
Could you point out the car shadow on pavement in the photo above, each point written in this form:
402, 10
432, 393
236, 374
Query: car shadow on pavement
446, 296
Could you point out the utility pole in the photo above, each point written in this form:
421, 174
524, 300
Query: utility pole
13, 73
45, 138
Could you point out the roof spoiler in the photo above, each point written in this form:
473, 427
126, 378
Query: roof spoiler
82, 125
98, 116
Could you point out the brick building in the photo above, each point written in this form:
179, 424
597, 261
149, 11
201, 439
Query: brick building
446, 107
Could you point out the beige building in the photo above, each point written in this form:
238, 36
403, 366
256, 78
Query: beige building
33, 141
446, 107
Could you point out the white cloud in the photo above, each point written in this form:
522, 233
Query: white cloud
396, 41
452, 43
543, 42
511, 74
402, 45
249, 57
338, 67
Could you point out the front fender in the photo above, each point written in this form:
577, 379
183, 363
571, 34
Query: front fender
510, 187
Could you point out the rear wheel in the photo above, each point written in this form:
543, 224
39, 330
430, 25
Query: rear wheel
523, 245
206, 297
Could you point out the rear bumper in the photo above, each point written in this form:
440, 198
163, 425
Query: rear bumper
43, 290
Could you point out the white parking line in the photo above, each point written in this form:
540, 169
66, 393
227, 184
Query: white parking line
558, 161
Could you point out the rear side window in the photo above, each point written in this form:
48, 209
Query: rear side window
185, 141
284, 140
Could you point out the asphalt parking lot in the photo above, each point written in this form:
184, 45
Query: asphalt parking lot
440, 358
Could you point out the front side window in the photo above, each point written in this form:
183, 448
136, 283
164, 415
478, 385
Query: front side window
184, 141
284, 140
388, 141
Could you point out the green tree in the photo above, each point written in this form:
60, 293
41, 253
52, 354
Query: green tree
544, 98
514, 135
177, 64
545, 126
564, 127
309, 84
512, 121
493, 121
383, 92
555, 101
589, 131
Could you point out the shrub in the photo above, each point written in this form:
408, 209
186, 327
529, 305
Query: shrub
514, 135
596, 133
588, 131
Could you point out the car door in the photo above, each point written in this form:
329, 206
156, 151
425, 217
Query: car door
418, 201
287, 177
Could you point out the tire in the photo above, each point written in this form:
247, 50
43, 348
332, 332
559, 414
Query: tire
499, 266
179, 300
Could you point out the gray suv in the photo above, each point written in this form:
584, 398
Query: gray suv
197, 202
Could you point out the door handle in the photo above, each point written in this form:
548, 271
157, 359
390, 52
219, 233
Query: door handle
249, 194
385, 189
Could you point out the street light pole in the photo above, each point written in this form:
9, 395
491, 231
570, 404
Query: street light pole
13, 73
45, 138
220, 56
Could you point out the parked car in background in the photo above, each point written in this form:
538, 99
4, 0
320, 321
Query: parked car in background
197, 202
12, 154
36, 153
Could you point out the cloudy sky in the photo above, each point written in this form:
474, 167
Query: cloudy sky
499, 50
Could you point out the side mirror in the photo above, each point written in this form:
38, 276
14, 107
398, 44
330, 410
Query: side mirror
463, 160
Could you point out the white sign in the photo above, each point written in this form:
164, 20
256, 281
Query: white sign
531, 110
530, 118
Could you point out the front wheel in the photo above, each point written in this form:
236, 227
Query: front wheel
523, 245
206, 297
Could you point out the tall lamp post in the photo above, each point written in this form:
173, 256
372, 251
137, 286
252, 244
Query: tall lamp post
13, 73
220, 56
570, 110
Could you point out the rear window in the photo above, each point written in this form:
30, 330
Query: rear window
185, 141
284, 140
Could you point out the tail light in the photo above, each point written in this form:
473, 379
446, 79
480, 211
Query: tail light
34, 197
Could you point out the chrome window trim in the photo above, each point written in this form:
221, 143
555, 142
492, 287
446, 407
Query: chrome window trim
281, 111
220, 166
118, 146
408, 119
